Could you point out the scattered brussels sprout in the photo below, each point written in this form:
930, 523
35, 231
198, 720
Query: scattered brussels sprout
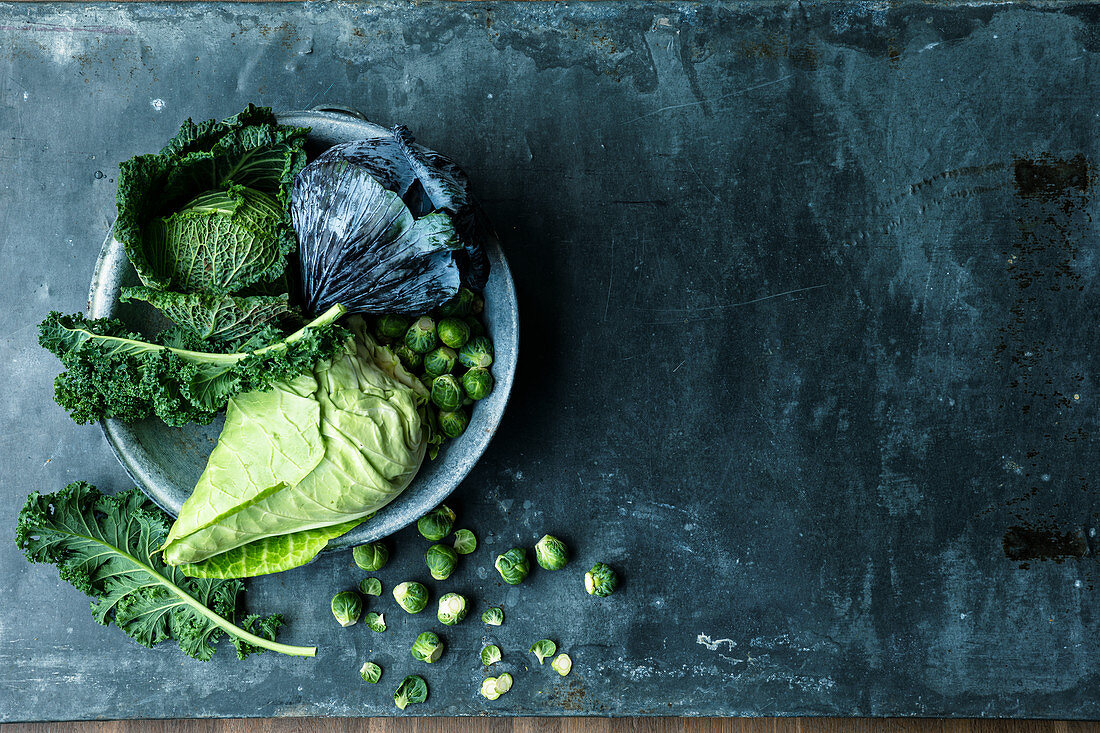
452, 609
490, 655
391, 326
477, 328
441, 561
543, 649
600, 580
513, 566
489, 688
493, 616
427, 647
421, 335
370, 672
551, 553
453, 423
453, 332
440, 360
462, 304
562, 664
504, 683
409, 358
478, 383
478, 352
465, 542
371, 556
411, 596
375, 622
436, 524
347, 606
447, 393
413, 689
370, 587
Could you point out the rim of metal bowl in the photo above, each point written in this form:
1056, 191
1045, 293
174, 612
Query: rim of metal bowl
331, 125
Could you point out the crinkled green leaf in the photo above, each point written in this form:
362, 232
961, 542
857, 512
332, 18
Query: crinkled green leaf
211, 315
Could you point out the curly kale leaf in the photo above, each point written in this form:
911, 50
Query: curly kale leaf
113, 373
109, 548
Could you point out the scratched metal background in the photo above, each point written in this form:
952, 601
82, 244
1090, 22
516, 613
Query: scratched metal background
810, 301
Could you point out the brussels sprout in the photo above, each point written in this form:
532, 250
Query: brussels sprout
551, 553
375, 622
453, 423
490, 655
504, 683
493, 616
370, 672
478, 383
436, 524
411, 596
409, 358
600, 580
441, 561
413, 689
427, 647
452, 609
440, 360
543, 649
453, 332
513, 566
465, 542
391, 326
478, 352
421, 335
370, 587
447, 393
461, 304
347, 606
562, 664
477, 328
489, 688
372, 556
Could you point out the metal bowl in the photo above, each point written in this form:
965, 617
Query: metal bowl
166, 462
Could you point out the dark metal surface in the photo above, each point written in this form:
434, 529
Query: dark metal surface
809, 299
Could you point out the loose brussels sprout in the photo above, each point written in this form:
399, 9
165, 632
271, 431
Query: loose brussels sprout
391, 326
411, 596
504, 683
600, 580
427, 647
441, 561
452, 609
440, 360
461, 304
562, 664
489, 688
409, 358
421, 335
478, 383
493, 616
347, 606
551, 553
453, 332
370, 587
453, 423
465, 542
543, 649
477, 328
413, 689
513, 566
375, 622
436, 524
371, 557
490, 655
370, 672
478, 352
447, 393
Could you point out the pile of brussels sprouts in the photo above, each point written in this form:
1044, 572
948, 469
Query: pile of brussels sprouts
450, 354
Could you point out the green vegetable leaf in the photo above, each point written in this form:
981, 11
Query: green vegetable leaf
370, 672
543, 649
215, 316
106, 546
465, 542
413, 689
490, 655
370, 587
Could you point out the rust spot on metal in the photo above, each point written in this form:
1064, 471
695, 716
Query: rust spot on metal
1047, 177
1035, 543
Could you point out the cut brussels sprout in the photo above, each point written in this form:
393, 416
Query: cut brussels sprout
391, 327
421, 336
440, 360
347, 606
493, 616
370, 587
477, 383
453, 423
370, 672
409, 358
489, 688
562, 664
551, 553
375, 622
513, 566
413, 689
465, 542
372, 556
462, 304
543, 649
600, 580
411, 596
447, 393
453, 332
504, 683
490, 655
478, 352
452, 609
441, 561
436, 524
427, 647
